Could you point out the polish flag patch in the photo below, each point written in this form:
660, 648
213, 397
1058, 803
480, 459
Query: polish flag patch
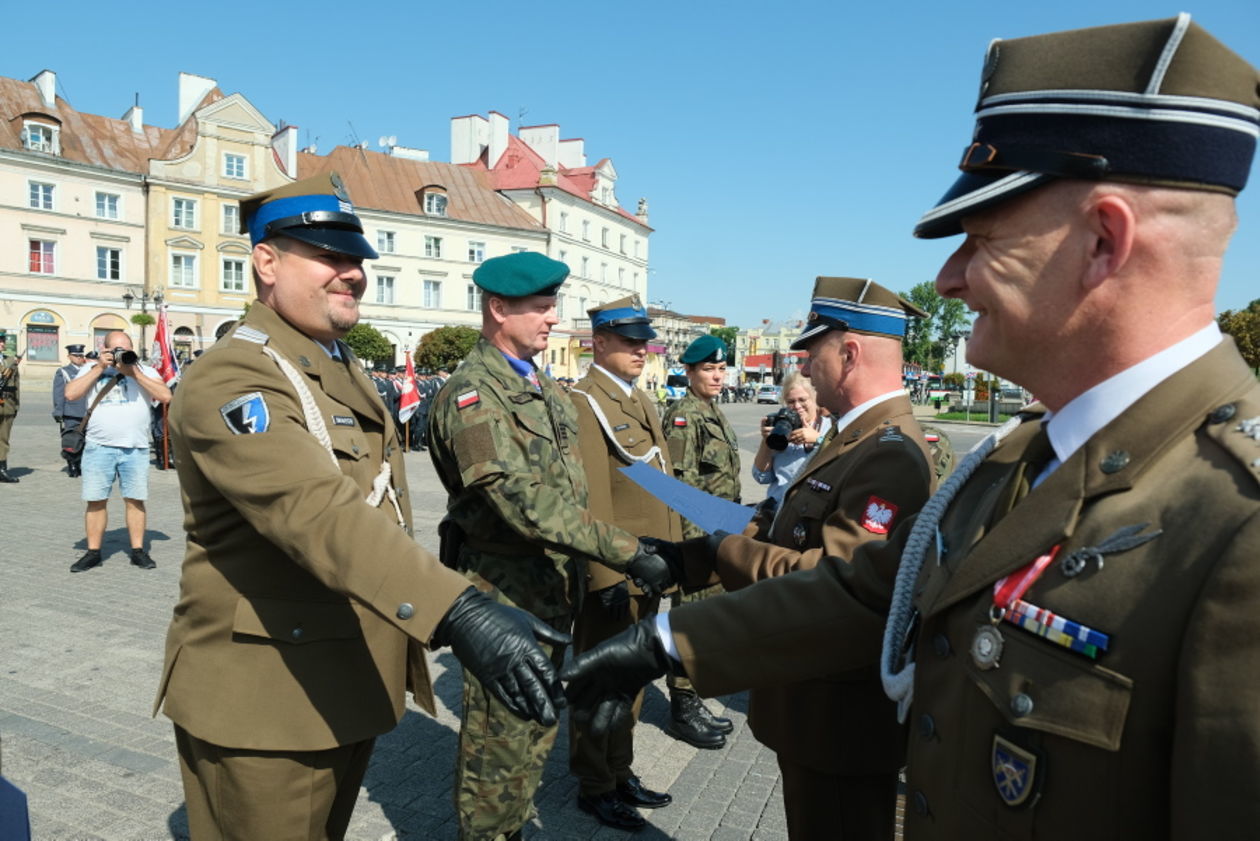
468, 398
680, 421
878, 516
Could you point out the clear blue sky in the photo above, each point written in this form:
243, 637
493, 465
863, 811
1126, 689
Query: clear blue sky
774, 141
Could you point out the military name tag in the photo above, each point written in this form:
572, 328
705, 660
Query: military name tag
1014, 772
620, 427
816, 485
343, 420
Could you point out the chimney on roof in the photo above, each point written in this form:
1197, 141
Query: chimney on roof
135, 116
642, 213
46, 83
500, 129
572, 153
285, 144
545, 140
469, 136
192, 89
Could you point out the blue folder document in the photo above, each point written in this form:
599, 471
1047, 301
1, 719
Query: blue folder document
709, 512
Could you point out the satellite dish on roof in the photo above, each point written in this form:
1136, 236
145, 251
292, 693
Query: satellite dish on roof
382, 141
393, 140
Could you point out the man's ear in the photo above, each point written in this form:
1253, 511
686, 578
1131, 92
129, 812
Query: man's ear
850, 350
1112, 227
266, 258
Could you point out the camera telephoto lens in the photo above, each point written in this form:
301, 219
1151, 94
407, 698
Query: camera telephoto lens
783, 422
126, 357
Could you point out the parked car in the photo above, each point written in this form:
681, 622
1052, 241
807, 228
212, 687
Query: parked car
768, 393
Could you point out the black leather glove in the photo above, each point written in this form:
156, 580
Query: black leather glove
651, 572
712, 542
615, 600
57, 418
604, 680
499, 645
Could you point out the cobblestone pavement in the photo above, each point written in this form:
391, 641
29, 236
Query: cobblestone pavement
81, 655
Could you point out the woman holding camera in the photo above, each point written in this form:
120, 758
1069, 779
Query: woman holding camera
789, 437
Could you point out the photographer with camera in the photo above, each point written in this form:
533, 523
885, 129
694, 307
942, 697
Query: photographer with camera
789, 437
120, 391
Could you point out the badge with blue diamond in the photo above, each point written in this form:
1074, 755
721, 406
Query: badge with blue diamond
246, 414
1014, 772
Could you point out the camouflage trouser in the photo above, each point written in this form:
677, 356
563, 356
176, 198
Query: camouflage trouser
678, 597
498, 765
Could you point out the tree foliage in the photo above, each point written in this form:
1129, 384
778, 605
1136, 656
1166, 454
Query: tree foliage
727, 335
143, 319
929, 340
445, 347
368, 344
1244, 326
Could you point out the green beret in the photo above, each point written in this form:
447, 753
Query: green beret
521, 273
705, 349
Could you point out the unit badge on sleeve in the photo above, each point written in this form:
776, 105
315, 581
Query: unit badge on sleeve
1014, 773
247, 414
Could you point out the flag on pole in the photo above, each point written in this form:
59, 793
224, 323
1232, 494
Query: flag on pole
164, 350
410, 399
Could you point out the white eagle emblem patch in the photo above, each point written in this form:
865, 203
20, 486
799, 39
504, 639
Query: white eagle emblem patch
878, 516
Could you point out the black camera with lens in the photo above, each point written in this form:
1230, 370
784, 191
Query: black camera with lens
781, 424
124, 356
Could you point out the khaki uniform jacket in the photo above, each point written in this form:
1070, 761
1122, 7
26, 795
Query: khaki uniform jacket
297, 600
10, 385
508, 456
1156, 738
869, 478
704, 450
635, 425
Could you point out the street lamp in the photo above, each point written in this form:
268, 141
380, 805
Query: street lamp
144, 298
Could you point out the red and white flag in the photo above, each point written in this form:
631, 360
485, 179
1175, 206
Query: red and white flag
410, 399
164, 350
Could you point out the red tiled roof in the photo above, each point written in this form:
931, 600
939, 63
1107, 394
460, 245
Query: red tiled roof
383, 182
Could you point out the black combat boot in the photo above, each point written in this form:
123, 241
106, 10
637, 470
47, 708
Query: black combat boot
72, 468
719, 723
687, 723
5, 478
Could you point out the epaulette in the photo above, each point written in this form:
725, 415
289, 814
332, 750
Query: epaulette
1236, 427
250, 334
891, 432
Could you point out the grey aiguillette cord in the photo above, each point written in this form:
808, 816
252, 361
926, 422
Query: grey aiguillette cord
899, 682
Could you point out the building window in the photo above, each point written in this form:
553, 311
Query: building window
384, 289
231, 219
107, 205
623, 243
184, 271
586, 230
435, 204
473, 301
43, 256
37, 137
433, 294
41, 195
476, 252
621, 277
563, 256
232, 278
108, 263
41, 343
385, 242
603, 272
586, 267
233, 166
636, 248
184, 213
603, 237
560, 307
433, 247
564, 222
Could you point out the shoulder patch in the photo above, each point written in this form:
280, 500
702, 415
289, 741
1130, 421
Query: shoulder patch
247, 414
680, 421
878, 515
467, 399
891, 433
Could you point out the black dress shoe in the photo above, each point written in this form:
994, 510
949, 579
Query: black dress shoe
632, 792
91, 558
610, 811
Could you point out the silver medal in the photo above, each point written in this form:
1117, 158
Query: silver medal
986, 647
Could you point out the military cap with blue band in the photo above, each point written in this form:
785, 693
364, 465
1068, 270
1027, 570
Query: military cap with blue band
1156, 102
625, 317
707, 348
74, 350
521, 273
857, 304
314, 210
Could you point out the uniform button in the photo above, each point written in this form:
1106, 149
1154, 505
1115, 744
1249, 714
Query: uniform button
297, 633
1114, 462
940, 644
927, 727
405, 611
920, 803
1021, 705
355, 449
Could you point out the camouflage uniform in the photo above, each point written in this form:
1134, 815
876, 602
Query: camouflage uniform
517, 526
705, 454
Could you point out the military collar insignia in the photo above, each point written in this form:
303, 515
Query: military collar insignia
247, 414
1114, 462
799, 534
304, 362
1014, 773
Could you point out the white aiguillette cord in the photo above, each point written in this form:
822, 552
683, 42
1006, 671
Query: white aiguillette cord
381, 485
899, 682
